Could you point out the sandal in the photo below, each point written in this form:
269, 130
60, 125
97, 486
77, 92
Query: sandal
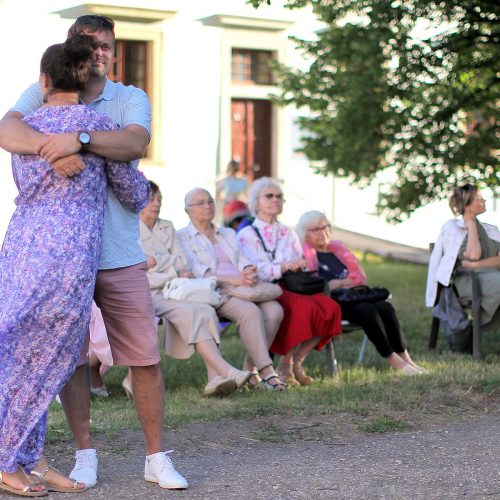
26, 491
280, 386
258, 381
54, 487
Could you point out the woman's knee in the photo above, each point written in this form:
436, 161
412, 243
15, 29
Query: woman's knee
272, 311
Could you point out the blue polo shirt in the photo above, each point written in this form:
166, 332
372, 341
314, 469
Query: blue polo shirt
125, 105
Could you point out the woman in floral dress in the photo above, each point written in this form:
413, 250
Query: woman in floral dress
48, 264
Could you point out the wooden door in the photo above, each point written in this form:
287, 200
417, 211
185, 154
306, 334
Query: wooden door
251, 136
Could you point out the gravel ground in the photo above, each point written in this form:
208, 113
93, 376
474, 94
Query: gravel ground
310, 459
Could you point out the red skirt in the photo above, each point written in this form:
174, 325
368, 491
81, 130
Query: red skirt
305, 317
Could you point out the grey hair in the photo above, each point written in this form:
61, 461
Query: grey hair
306, 220
255, 190
190, 193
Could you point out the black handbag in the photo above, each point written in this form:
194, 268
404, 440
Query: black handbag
359, 294
303, 282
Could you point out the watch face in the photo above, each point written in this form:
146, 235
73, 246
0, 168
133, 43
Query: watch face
84, 138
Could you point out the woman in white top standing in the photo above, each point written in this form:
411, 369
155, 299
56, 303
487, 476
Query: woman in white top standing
471, 244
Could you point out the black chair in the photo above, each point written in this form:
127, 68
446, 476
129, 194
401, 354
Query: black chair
473, 305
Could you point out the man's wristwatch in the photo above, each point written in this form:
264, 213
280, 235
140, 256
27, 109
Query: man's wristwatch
84, 139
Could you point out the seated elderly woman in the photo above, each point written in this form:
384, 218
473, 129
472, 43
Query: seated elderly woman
471, 244
310, 321
340, 268
213, 251
190, 326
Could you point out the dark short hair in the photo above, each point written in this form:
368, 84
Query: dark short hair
462, 197
154, 187
92, 23
68, 64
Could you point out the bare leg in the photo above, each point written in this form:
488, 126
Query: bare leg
75, 398
149, 399
215, 363
285, 368
95, 376
298, 358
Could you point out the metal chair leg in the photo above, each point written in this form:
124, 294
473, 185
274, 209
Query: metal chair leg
363, 349
476, 316
434, 333
331, 362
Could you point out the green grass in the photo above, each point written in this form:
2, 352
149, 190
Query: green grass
370, 396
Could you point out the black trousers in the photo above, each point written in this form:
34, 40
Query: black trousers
380, 323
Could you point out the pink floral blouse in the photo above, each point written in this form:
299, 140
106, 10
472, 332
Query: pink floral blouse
281, 242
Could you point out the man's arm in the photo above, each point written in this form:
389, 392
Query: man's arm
17, 137
126, 144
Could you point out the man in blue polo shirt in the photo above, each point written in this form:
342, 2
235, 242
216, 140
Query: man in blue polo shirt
122, 289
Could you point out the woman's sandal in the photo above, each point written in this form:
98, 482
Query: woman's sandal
26, 491
280, 386
254, 382
54, 487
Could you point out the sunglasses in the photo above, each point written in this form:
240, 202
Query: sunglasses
97, 22
270, 196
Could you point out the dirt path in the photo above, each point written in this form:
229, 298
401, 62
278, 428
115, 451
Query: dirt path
308, 457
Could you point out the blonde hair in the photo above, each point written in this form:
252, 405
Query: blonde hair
462, 197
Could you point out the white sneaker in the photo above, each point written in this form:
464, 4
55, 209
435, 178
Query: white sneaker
85, 469
160, 469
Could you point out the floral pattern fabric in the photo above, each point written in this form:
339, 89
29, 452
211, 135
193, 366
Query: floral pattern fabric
281, 244
48, 264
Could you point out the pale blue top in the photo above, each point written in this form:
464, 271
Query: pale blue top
125, 105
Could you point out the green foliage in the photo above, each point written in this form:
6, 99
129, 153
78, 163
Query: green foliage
412, 85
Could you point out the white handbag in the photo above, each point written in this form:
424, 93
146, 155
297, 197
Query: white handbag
195, 290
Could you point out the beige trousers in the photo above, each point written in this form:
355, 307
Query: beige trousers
258, 324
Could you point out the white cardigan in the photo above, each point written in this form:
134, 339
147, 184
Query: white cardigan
445, 253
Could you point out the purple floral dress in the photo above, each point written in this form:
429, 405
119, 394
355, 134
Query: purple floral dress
48, 265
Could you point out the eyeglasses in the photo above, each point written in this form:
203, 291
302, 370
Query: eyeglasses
202, 203
270, 196
317, 230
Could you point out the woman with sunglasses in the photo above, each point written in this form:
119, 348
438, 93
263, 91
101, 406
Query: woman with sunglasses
471, 244
310, 321
340, 268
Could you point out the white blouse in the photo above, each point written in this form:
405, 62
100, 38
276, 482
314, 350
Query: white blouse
281, 245
201, 252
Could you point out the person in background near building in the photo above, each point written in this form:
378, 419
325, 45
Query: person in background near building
469, 243
48, 266
233, 186
340, 268
122, 288
310, 321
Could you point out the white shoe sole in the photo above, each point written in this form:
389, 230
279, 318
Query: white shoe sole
175, 486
